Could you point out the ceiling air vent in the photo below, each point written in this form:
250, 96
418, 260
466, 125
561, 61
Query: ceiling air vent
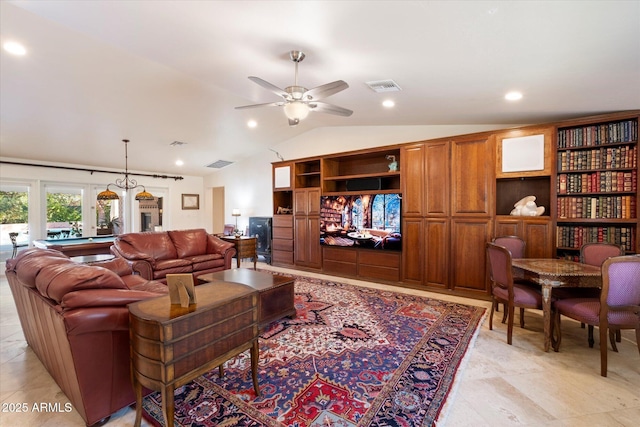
219, 164
384, 86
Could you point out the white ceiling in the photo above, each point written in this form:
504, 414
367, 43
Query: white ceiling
160, 71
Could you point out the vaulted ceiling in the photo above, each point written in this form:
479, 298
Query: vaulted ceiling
156, 72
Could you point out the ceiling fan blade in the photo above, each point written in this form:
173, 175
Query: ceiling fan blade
265, 84
268, 104
323, 107
294, 122
325, 90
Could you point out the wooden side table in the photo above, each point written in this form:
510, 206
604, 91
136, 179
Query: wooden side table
172, 345
246, 247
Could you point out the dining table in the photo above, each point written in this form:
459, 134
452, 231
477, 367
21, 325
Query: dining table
552, 273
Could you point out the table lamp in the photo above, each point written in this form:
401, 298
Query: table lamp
236, 213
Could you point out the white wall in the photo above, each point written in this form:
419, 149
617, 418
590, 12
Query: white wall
248, 183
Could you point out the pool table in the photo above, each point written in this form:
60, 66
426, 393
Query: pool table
78, 245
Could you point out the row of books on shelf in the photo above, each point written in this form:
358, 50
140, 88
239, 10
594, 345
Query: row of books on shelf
622, 157
597, 182
606, 133
576, 236
604, 207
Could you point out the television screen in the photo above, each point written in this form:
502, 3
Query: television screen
363, 220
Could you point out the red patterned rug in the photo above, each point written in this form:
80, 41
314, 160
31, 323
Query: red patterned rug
353, 356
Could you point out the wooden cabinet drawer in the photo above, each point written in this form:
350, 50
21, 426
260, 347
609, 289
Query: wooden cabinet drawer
340, 268
282, 257
342, 255
382, 259
282, 245
282, 233
282, 221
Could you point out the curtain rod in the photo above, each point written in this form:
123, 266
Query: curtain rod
92, 170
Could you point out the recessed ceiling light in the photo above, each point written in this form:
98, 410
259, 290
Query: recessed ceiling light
179, 163
388, 103
252, 123
15, 48
513, 96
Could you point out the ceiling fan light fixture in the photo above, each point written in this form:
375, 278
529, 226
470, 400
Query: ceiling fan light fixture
296, 110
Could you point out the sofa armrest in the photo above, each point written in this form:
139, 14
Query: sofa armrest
226, 249
143, 268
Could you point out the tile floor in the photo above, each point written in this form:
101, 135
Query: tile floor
499, 385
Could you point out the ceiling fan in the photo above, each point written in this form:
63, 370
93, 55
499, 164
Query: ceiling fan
298, 100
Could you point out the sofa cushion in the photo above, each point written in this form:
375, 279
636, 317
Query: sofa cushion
172, 268
170, 264
205, 262
150, 246
56, 280
189, 242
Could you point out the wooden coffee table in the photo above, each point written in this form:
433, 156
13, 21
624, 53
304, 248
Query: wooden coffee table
275, 293
172, 345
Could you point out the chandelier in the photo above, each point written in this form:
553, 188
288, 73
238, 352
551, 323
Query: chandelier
126, 183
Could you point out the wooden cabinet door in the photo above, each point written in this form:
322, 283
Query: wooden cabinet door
436, 262
301, 240
307, 241
306, 202
437, 170
314, 255
412, 167
538, 234
468, 265
412, 250
508, 226
473, 172
313, 201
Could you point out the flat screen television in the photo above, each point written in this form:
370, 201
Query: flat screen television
363, 220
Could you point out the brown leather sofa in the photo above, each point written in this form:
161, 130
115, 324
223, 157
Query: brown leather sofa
154, 254
75, 319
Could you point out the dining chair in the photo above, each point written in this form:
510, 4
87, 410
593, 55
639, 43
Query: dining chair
505, 291
593, 253
14, 242
618, 306
597, 252
517, 248
515, 245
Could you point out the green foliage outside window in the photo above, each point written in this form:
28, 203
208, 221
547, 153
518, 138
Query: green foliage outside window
64, 207
14, 207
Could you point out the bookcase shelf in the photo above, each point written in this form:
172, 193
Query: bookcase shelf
597, 184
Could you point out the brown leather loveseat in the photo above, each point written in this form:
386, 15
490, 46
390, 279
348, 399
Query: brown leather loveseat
75, 319
154, 254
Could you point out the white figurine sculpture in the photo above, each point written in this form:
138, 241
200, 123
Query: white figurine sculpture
527, 207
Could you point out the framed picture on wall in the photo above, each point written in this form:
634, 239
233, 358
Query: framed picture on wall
190, 201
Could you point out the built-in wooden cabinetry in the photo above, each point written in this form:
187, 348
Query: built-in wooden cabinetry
597, 183
345, 173
447, 208
458, 193
512, 186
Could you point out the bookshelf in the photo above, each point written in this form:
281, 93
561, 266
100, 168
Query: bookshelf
597, 184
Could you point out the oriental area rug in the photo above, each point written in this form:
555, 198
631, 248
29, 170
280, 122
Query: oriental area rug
353, 356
